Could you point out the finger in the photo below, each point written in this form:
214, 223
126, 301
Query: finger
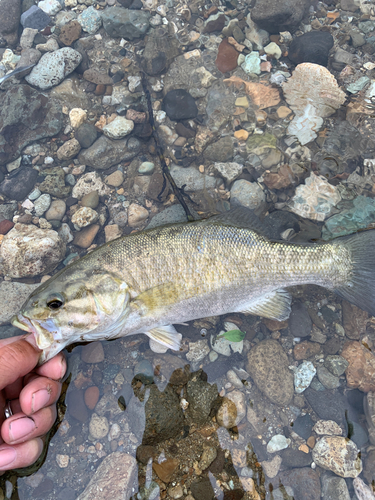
12, 390
39, 393
20, 428
16, 359
20, 455
55, 368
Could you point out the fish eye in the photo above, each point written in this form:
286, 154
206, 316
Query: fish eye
55, 301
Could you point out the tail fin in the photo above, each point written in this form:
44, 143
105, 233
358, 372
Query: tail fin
361, 289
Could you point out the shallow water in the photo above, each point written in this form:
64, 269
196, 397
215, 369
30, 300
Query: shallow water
193, 426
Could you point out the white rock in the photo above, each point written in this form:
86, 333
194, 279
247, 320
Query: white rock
118, 128
28, 251
327, 428
13, 165
71, 3
12, 296
230, 170
77, 116
89, 182
50, 7
197, 351
136, 214
98, 426
234, 379
65, 233
277, 443
303, 376
42, 204
84, 217
273, 49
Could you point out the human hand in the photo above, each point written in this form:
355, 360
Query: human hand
32, 393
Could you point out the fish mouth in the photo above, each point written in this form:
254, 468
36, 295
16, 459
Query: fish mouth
44, 332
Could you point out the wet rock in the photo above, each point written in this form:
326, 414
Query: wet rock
118, 128
232, 410
220, 151
336, 365
94, 76
248, 194
90, 20
303, 426
54, 182
251, 64
10, 12
304, 481
42, 204
12, 295
56, 210
202, 490
361, 370
27, 116
86, 135
164, 417
305, 350
158, 53
92, 353
86, 236
68, 150
76, 405
136, 215
327, 427
326, 378
295, 458
338, 454
281, 16
70, 32
313, 47
334, 487
35, 18
84, 216
197, 351
303, 376
166, 469
354, 320
227, 57
179, 105
113, 478
169, 215
230, 171
98, 426
6, 226
124, 23
191, 178
201, 397
18, 185
362, 491
53, 67
115, 179
277, 443
300, 323
91, 397
268, 367
29, 251
105, 152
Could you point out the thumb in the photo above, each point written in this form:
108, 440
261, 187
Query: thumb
17, 358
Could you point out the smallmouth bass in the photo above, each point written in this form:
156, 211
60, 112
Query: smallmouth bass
147, 281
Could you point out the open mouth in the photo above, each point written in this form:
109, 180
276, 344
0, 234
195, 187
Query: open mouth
23, 323
43, 333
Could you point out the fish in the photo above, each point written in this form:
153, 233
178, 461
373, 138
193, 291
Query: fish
18, 73
151, 280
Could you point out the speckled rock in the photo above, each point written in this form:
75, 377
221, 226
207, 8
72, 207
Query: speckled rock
12, 295
230, 171
267, 364
54, 182
98, 427
232, 410
88, 183
303, 376
28, 251
191, 178
125, 23
327, 428
84, 217
197, 351
42, 204
118, 128
248, 194
201, 397
113, 478
136, 215
68, 150
10, 11
106, 152
361, 370
338, 454
53, 67
90, 20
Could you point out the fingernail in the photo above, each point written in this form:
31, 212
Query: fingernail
39, 400
7, 456
21, 428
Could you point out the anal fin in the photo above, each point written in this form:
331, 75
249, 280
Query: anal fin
272, 305
166, 336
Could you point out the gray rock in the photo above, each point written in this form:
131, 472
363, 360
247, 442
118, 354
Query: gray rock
42, 204
56, 211
12, 296
158, 53
279, 16
169, 215
304, 481
35, 18
191, 178
53, 67
268, 367
113, 478
32, 114
248, 194
221, 150
326, 378
105, 152
7, 210
300, 323
10, 12
125, 23
90, 20
342, 59
18, 185
336, 365
357, 39
230, 170
201, 396
86, 135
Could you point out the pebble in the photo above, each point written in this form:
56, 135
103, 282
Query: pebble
68, 150
98, 426
65, 233
305, 350
44, 250
62, 460
86, 135
327, 428
146, 168
118, 128
91, 397
272, 49
326, 378
35, 18
234, 379
115, 179
361, 370
106, 152
84, 216
176, 492
230, 171
77, 116
338, 454
251, 65
42, 204
11, 296
197, 351
179, 105
136, 214
300, 323
70, 32
303, 376
18, 186
53, 67
92, 353
272, 467
248, 194
336, 365
232, 410
362, 491
86, 236
227, 57
6, 226
124, 23
312, 47
112, 232
277, 443
90, 20
56, 210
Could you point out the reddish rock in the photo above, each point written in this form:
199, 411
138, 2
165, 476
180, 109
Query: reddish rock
91, 397
100, 89
226, 57
215, 24
70, 32
305, 350
93, 353
86, 236
280, 179
166, 469
354, 320
274, 325
361, 370
136, 116
5, 226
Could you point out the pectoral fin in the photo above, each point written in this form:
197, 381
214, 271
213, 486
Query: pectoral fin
166, 336
272, 305
157, 298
